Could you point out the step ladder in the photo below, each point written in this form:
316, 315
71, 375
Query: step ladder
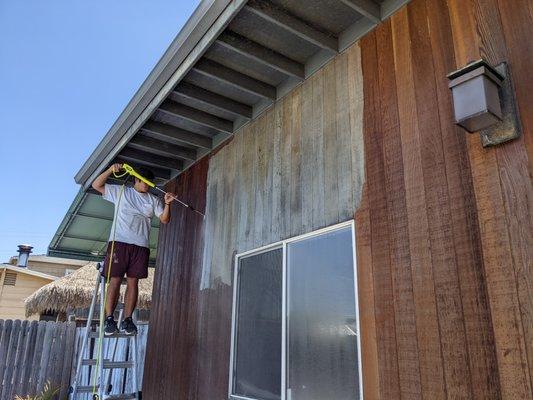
105, 366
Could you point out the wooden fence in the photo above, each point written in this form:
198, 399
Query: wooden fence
32, 353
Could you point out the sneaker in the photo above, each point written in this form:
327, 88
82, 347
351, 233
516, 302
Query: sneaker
110, 326
128, 327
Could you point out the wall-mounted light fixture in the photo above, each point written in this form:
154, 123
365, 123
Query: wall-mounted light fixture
483, 101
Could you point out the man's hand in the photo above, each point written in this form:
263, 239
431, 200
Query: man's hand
99, 182
169, 198
115, 168
165, 217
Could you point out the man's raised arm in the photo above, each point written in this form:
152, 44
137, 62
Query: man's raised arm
99, 182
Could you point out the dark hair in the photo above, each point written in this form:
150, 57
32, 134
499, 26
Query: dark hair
147, 173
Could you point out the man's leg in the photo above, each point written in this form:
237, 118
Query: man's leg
132, 291
113, 291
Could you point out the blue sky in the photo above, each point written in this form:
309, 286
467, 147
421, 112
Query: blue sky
67, 70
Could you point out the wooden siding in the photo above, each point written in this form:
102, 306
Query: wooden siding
297, 168
180, 315
443, 226
444, 234
262, 187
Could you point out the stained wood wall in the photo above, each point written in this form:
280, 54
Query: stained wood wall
180, 314
297, 168
443, 225
444, 234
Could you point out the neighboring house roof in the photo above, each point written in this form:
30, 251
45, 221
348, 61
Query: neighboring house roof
76, 290
52, 260
27, 271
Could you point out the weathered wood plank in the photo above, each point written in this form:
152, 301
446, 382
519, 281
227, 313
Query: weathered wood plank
508, 25
308, 168
5, 392
4, 346
317, 123
46, 353
400, 257
331, 187
36, 361
22, 388
516, 25
432, 378
344, 151
69, 350
478, 330
511, 350
286, 166
384, 300
19, 365
447, 289
276, 172
260, 178
295, 181
247, 197
269, 169
366, 298
356, 109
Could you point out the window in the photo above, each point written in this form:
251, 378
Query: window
295, 332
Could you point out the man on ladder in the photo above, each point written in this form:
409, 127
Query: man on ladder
129, 241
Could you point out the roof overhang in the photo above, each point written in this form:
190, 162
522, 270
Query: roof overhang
231, 61
84, 232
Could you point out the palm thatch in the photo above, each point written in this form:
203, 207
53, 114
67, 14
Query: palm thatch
75, 291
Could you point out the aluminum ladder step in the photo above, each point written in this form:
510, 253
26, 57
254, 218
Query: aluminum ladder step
110, 364
96, 335
124, 396
86, 389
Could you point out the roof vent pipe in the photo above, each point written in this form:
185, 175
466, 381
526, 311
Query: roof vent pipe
24, 254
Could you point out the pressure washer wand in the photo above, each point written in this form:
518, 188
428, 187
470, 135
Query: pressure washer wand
181, 202
129, 170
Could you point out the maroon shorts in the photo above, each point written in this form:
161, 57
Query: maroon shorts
128, 259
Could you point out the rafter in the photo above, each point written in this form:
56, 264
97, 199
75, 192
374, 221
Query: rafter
261, 54
161, 148
148, 159
271, 13
236, 79
169, 133
196, 116
367, 8
190, 91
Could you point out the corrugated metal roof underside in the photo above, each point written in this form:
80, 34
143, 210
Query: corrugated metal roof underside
84, 231
231, 61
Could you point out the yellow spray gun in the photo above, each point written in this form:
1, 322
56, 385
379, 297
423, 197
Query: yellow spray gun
129, 170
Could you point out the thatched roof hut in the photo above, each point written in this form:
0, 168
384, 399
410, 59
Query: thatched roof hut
75, 291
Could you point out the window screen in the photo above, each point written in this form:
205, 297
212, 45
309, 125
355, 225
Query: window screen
322, 341
258, 326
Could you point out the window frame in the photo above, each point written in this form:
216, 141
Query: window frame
283, 245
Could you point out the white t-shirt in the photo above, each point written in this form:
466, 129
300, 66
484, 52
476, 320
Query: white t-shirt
134, 214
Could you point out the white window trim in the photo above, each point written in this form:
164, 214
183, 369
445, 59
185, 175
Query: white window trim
283, 245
